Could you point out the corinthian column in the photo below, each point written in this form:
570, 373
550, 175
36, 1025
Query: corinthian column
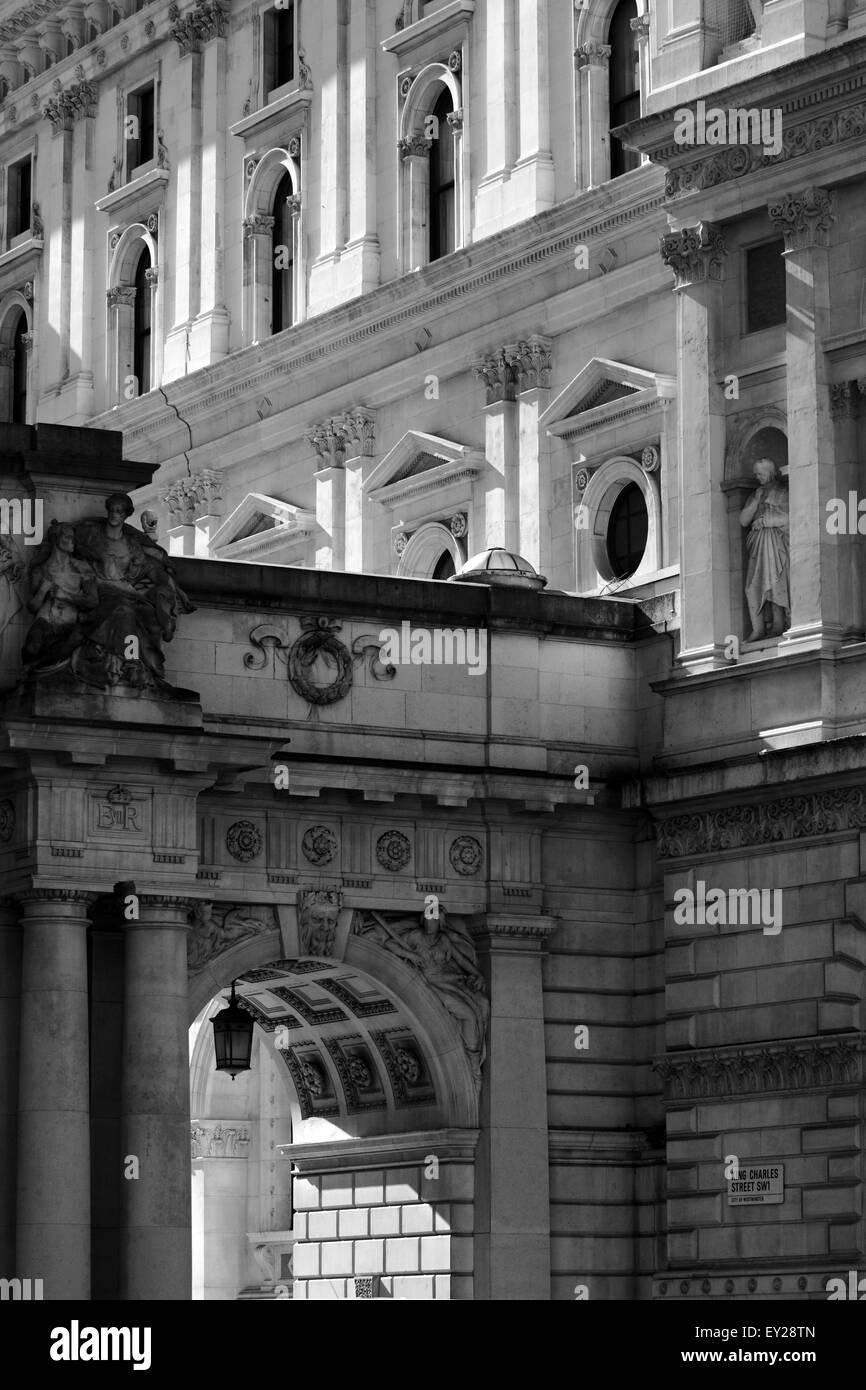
156, 1250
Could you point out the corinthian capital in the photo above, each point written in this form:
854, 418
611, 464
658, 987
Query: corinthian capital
694, 254
804, 218
592, 54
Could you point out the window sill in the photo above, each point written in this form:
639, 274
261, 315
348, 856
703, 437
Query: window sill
296, 100
143, 185
22, 247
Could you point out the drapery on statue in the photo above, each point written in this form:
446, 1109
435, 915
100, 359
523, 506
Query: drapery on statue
768, 573
105, 600
443, 951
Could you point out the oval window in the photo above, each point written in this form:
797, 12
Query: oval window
627, 532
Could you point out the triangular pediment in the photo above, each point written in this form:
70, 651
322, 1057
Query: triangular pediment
602, 390
260, 524
419, 461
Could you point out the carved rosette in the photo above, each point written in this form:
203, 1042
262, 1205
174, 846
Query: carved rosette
319, 845
458, 525
393, 851
805, 218
694, 254
244, 841
466, 855
649, 459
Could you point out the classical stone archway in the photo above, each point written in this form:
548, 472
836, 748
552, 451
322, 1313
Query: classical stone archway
361, 1057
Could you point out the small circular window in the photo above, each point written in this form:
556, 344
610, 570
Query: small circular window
627, 532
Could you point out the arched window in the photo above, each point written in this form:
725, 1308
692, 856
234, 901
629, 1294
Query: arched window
444, 567
19, 371
141, 325
442, 187
282, 258
624, 84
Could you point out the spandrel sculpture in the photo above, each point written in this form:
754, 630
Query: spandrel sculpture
768, 571
105, 600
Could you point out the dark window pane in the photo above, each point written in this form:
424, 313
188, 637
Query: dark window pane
624, 73
627, 532
284, 46
282, 258
444, 566
19, 372
442, 192
765, 285
141, 329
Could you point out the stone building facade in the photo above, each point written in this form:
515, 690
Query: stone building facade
368, 293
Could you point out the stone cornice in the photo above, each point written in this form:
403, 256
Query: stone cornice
787, 1065
499, 260
380, 1150
827, 106
569, 1147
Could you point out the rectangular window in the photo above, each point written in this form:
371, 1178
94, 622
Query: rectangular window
139, 128
281, 46
765, 286
18, 194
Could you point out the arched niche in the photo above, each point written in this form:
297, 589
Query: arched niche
12, 305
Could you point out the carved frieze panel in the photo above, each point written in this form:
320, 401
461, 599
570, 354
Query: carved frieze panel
220, 1139
759, 823
755, 1070
216, 927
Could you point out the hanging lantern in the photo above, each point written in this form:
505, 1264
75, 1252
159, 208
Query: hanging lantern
233, 1038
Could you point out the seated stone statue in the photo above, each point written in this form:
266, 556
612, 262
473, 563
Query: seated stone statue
63, 591
115, 601
768, 572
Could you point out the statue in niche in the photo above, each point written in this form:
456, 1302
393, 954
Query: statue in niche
106, 600
62, 593
318, 910
768, 573
442, 949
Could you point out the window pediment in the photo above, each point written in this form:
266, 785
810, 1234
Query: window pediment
602, 392
259, 525
442, 22
420, 462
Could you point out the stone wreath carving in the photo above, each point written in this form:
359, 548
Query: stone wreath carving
244, 841
319, 845
443, 951
466, 855
320, 666
216, 927
393, 851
